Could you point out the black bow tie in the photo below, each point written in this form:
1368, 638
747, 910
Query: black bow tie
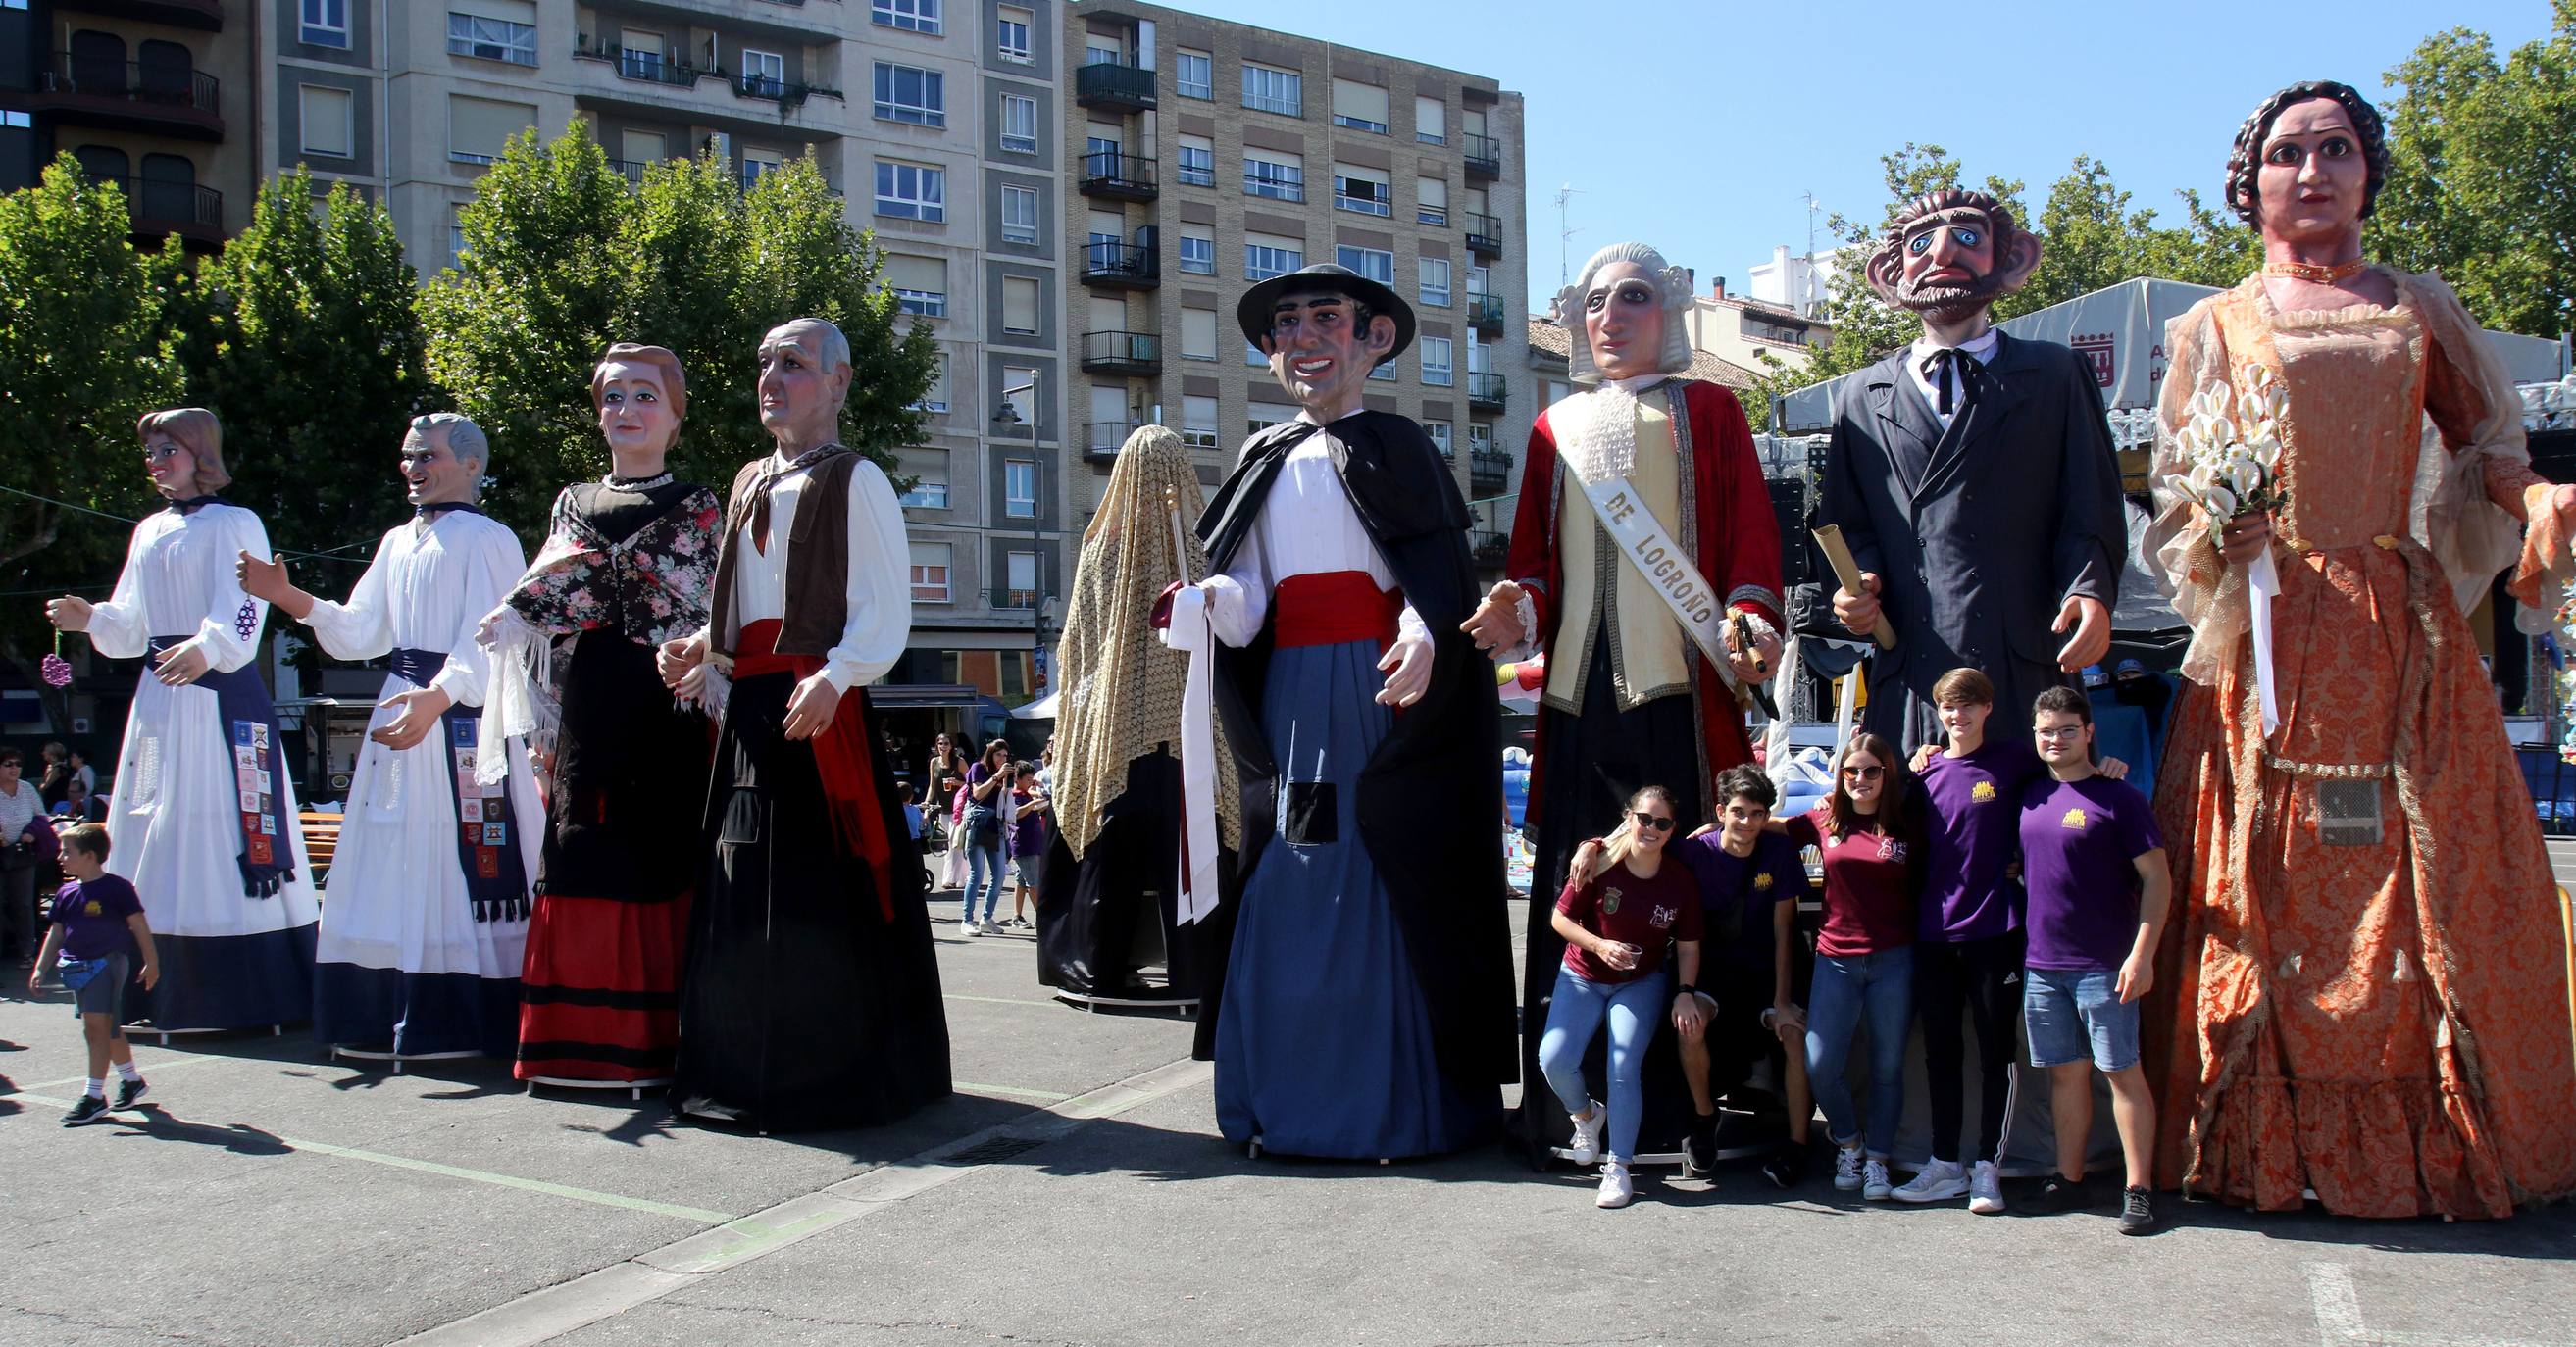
194, 504
435, 508
1942, 363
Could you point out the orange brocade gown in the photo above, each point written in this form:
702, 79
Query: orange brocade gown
2384, 1023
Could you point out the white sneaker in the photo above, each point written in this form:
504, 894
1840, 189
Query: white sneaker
966, 927
992, 927
1616, 1188
1874, 1186
1847, 1168
1936, 1181
1986, 1189
1586, 1146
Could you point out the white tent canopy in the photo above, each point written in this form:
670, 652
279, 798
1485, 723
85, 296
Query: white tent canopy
2121, 329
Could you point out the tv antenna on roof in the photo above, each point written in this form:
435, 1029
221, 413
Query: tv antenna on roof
1564, 233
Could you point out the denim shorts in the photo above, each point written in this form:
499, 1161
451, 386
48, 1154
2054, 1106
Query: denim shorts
2072, 1014
105, 993
1025, 868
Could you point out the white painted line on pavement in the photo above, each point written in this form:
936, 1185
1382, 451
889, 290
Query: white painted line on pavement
2339, 1322
557, 1310
171, 1062
1013, 1091
997, 1000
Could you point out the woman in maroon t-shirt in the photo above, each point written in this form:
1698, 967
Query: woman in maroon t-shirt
1615, 924
1865, 952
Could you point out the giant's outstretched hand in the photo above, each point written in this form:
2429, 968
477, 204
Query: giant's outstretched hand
1496, 624
2091, 621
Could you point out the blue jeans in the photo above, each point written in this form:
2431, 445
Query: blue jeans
1574, 1015
983, 870
1850, 989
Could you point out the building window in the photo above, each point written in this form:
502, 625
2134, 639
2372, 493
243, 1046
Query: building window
1254, 356
919, 284
1373, 263
18, 121
1260, 416
1020, 488
491, 39
1011, 33
1194, 74
1198, 161
1019, 123
1198, 421
324, 115
1020, 215
764, 74
1020, 296
1198, 336
1361, 107
930, 562
1020, 576
1439, 433
1480, 437
758, 164
921, 304
1433, 273
1270, 89
1198, 254
912, 192
325, 24
479, 129
1363, 190
1095, 54
907, 94
1431, 202
925, 495
1436, 362
1278, 179
1261, 261
1430, 121
912, 16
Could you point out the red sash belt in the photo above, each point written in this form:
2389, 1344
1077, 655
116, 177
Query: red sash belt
1334, 608
842, 757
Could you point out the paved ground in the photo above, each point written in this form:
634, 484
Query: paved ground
279, 1198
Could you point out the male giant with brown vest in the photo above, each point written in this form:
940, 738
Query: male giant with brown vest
812, 994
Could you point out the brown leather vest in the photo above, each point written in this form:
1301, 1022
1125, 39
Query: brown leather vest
818, 558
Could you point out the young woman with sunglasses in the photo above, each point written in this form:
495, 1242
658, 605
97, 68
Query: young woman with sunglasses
1615, 924
1864, 954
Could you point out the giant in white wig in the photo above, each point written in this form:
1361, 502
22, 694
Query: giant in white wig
1671, 282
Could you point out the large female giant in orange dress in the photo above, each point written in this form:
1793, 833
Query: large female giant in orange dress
2365, 993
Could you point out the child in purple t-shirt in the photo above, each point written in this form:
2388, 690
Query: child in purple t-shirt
98, 929
2095, 866
1028, 837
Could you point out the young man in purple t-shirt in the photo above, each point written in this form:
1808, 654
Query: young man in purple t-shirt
97, 934
2095, 867
1750, 881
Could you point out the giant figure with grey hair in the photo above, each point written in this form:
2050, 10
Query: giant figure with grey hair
1645, 567
812, 992
420, 949
202, 809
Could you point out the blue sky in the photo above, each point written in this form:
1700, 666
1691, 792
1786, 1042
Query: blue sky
1745, 108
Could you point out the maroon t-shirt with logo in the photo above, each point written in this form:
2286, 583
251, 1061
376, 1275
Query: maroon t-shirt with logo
1641, 912
1872, 879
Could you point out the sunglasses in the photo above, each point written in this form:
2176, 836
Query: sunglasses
1869, 773
1659, 824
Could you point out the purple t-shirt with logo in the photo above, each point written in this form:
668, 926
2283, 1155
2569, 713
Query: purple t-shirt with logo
2080, 841
92, 913
1746, 886
1976, 822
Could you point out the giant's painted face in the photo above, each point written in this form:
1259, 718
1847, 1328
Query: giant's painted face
1951, 254
1321, 352
1623, 321
635, 411
2314, 179
798, 390
431, 471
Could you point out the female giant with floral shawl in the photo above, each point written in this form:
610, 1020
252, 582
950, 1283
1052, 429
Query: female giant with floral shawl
2366, 989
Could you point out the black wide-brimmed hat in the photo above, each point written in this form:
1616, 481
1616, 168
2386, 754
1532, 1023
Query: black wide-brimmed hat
1252, 313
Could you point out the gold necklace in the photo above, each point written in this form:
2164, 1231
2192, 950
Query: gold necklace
2319, 274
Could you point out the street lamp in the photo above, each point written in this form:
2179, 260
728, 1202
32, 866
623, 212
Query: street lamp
1008, 415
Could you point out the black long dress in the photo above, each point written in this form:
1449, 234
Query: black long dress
1100, 917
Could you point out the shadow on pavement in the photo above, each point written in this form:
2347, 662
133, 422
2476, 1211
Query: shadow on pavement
238, 1138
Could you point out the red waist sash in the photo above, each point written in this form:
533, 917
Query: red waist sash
842, 757
1334, 608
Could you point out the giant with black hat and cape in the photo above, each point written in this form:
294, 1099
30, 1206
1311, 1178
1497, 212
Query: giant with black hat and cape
1365, 1007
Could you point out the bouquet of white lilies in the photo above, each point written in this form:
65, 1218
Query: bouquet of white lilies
2233, 443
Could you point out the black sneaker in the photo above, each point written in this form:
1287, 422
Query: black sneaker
2061, 1194
130, 1093
1699, 1148
2137, 1212
1787, 1165
90, 1109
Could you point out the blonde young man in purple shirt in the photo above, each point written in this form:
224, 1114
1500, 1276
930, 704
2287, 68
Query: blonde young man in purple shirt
2095, 866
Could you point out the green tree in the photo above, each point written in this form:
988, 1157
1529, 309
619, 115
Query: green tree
301, 336
1864, 327
78, 364
2090, 239
562, 257
2480, 184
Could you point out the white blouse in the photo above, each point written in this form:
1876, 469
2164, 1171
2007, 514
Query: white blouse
879, 597
179, 581
1306, 527
429, 586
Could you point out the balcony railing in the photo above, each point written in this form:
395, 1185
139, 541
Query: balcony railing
1485, 391
1121, 265
1011, 598
181, 208
1490, 548
1113, 84
207, 15
632, 170
1122, 353
1484, 311
1117, 174
645, 67
1487, 470
153, 95
1106, 438
1484, 157
1484, 234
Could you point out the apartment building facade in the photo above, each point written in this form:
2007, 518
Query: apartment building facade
154, 95
1206, 155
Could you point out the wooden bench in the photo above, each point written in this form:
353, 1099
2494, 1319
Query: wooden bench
321, 839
